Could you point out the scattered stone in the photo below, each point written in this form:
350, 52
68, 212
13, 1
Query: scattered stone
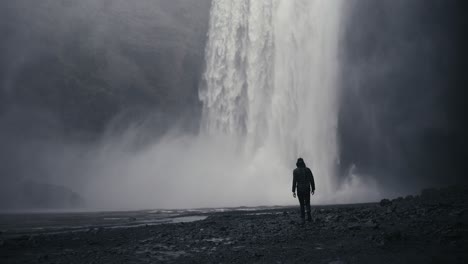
430, 194
391, 209
393, 235
354, 226
258, 255
350, 231
337, 262
385, 202
371, 224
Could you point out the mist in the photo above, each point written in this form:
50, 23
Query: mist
76, 74
102, 104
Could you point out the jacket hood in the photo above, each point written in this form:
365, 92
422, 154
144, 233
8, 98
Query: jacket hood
300, 163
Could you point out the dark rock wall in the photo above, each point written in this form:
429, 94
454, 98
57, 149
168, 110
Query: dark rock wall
403, 91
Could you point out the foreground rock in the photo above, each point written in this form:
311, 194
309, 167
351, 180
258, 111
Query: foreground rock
430, 228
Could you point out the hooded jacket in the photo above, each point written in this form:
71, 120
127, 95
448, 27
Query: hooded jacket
303, 178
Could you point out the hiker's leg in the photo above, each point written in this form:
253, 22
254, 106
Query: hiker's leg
300, 196
307, 205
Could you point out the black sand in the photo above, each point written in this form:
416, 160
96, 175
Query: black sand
428, 228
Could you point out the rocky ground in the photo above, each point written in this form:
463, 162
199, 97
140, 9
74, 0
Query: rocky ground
428, 228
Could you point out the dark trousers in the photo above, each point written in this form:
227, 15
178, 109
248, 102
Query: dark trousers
304, 201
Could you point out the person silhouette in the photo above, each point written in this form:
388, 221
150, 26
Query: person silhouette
303, 180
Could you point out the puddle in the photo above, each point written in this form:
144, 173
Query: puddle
219, 240
265, 213
216, 239
113, 218
187, 219
119, 222
175, 220
166, 254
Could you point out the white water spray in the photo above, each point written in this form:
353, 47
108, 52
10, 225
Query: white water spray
269, 96
270, 83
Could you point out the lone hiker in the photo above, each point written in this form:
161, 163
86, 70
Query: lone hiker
303, 179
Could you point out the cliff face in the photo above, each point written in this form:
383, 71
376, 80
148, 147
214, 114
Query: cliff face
86, 61
403, 77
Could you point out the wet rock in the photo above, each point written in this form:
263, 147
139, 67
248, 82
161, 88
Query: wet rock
430, 194
385, 202
258, 255
462, 213
380, 242
337, 262
451, 237
354, 227
338, 218
92, 242
23, 238
247, 237
394, 235
371, 224
391, 209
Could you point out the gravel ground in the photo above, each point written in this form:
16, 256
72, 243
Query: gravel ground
427, 228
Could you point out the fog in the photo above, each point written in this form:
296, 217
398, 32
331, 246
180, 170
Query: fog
76, 74
100, 107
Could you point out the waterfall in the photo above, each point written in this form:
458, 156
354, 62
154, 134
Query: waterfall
271, 82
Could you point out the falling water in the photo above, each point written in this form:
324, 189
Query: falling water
271, 83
